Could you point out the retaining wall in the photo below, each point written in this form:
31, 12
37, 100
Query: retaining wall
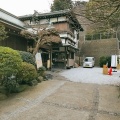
98, 48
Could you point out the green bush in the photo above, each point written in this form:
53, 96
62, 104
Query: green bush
16, 89
41, 71
88, 37
105, 60
27, 73
19, 88
10, 61
109, 61
27, 57
2, 90
10, 64
102, 61
10, 83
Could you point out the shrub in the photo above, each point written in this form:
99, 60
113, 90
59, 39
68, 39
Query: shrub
27, 73
40, 79
27, 57
10, 61
105, 60
102, 61
41, 71
10, 64
33, 82
10, 84
109, 61
19, 88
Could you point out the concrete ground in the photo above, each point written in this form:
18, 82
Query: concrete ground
61, 99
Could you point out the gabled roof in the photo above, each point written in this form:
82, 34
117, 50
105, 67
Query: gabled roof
10, 19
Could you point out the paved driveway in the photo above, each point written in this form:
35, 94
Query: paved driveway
61, 99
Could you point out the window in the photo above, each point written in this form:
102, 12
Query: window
72, 55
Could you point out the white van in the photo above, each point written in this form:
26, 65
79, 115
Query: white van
89, 62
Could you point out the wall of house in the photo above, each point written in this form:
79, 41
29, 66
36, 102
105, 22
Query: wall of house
16, 42
98, 48
62, 26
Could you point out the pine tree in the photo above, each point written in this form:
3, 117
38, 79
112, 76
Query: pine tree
61, 5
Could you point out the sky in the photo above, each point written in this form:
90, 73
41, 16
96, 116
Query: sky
24, 7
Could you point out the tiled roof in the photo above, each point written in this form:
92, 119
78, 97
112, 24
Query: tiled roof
41, 15
66, 12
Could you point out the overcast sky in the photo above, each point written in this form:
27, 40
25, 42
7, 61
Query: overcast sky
23, 7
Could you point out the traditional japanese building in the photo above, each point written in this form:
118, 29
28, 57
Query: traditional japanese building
68, 26
13, 26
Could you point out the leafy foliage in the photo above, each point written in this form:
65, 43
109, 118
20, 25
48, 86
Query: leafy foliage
102, 61
27, 73
42, 37
61, 5
105, 60
41, 71
11, 87
10, 61
29, 35
13, 71
10, 83
27, 57
106, 12
109, 61
10, 64
3, 33
48, 36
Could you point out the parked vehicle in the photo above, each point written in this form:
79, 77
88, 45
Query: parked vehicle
89, 62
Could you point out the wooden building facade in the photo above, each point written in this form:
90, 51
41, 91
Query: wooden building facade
13, 27
68, 26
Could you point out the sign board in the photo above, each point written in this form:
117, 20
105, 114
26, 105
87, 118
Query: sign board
70, 62
38, 60
48, 64
114, 61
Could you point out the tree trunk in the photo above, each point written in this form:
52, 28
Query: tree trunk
36, 49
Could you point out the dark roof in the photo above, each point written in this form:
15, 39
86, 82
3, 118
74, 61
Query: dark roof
8, 13
60, 13
47, 15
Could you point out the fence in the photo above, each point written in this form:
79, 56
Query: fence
104, 35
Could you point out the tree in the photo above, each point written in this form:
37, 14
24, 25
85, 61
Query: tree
106, 12
41, 37
3, 33
61, 5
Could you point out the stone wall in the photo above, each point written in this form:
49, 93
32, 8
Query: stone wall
98, 48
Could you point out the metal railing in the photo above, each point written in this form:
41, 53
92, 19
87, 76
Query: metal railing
104, 35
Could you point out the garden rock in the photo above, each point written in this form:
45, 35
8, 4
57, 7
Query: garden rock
40, 79
33, 83
48, 76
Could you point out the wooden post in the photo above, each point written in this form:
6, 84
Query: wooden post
51, 58
65, 60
